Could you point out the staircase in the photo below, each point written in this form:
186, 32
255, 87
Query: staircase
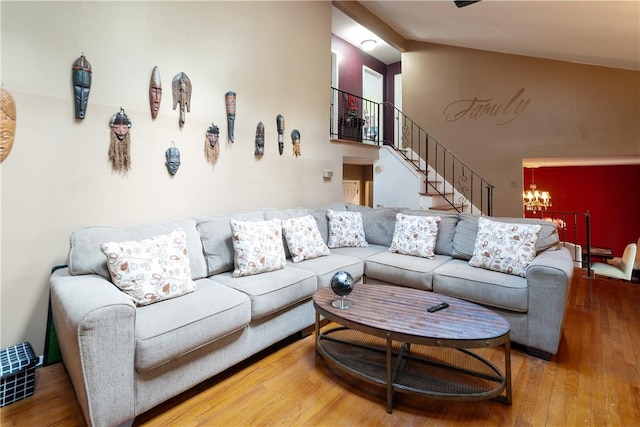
442, 181
402, 182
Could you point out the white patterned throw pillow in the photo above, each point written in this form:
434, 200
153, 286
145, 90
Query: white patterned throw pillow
303, 238
345, 229
415, 235
257, 247
508, 248
151, 270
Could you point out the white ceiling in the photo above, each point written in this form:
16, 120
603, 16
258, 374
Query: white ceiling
605, 33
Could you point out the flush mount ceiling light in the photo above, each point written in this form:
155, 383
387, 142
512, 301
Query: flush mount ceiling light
368, 45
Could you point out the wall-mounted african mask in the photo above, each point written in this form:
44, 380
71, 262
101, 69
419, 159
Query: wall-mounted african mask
280, 126
155, 92
173, 159
181, 87
230, 102
259, 139
81, 77
8, 118
119, 149
295, 140
211, 146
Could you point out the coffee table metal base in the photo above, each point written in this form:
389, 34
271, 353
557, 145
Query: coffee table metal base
439, 372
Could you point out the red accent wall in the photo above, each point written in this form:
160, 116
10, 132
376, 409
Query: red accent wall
611, 194
392, 70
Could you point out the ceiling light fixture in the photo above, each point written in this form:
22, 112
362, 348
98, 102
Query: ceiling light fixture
368, 45
534, 199
465, 3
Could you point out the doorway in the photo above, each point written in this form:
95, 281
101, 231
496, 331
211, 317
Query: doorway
357, 184
372, 90
334, 94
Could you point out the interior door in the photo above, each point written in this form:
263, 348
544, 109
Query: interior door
334, 94
368, 193
372, 90
351, 191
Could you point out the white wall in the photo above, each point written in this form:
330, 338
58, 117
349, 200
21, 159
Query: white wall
394, 182
58, 177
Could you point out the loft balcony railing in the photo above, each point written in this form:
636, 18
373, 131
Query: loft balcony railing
574, 233
361, 120
354, 118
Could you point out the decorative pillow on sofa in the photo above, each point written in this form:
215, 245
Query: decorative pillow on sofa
467, 231
257, 246
303, 238
505, 247
447, 229
415, 235
151, 270
345, 229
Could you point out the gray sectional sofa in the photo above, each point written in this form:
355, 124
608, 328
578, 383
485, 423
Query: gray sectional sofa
123, 360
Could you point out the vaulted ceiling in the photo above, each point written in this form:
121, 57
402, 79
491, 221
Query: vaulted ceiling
605, 33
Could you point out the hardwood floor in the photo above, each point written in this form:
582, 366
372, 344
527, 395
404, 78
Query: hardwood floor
594, 380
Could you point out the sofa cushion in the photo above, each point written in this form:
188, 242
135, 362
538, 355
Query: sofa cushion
345, 229
175, 327
215, 232
320, 215
257, 247
467, 229
378, 223
272, 213
86, 257
282, 214
503, 247
151, 270
464, 240
458, 279
303, 238
414, 272
415, 235
273, 291
362, 253
446, 228
325, 267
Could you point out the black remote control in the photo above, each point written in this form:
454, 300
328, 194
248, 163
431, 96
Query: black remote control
437, 307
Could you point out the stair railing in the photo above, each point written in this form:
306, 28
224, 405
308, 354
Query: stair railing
358, 119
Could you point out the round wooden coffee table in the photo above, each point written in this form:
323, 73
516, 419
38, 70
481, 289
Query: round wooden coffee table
389, 338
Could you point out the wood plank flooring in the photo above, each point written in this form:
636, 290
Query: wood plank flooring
594, 380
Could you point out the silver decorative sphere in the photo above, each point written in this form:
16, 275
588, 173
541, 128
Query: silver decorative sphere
342, 283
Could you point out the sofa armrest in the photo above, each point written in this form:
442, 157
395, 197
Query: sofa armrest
95, 325
548, 280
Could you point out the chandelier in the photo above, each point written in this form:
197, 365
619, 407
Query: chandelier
534, 199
